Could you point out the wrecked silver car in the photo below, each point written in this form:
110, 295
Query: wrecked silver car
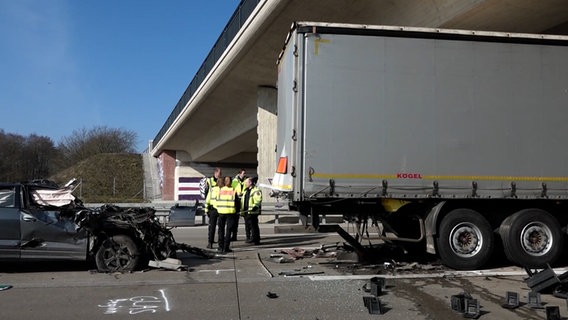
40, 220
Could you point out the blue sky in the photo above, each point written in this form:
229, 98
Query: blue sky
73, 64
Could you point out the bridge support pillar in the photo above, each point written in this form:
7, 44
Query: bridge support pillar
266, 129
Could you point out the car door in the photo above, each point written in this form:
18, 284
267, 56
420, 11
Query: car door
9, 223
49, 232
46, 234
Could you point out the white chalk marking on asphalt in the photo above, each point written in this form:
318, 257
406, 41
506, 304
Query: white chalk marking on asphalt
136, 305
166, 301
447, 274
218, 271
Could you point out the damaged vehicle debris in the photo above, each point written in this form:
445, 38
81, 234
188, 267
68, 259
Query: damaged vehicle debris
42, 221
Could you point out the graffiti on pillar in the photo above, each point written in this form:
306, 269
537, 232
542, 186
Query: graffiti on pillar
188, 188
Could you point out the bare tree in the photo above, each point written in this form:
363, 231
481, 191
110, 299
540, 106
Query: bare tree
84, 143
38, 157
25, 158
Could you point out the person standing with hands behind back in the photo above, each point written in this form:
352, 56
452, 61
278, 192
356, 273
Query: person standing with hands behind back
227, 208
210, 206
211, 211
238, 183
251, 204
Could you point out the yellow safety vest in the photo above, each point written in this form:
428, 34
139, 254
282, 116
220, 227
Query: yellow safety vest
226, 201
238, 185
255, 199
212, 183
211, 199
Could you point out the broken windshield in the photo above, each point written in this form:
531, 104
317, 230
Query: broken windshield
7, 198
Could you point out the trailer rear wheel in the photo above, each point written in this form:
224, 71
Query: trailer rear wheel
465, 240
532, 238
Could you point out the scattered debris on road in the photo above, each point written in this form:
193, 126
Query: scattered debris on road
466, 304
194, 250
373, 304
5, 287
511, 300
169, 263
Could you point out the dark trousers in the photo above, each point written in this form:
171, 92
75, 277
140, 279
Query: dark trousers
213, 215
247, 226
251, 223
235, 228
226, 223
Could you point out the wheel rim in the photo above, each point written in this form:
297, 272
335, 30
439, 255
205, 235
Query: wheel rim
116, 257
466, 240
536, 239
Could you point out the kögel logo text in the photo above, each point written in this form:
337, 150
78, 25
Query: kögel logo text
408, 176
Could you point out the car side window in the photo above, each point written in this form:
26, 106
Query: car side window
7, 198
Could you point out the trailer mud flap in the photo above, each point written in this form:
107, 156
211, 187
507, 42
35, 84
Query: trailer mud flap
430, 226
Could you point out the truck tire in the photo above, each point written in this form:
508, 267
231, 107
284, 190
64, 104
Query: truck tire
532, 238
465, 240
118, 253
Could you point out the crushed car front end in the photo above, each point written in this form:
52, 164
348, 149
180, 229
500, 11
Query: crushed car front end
118, 239
127, 238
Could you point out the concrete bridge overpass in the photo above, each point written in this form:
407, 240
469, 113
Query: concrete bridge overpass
227, 116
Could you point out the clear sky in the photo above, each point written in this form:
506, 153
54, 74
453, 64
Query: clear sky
73, 64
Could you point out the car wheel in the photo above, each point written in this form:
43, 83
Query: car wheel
118, 253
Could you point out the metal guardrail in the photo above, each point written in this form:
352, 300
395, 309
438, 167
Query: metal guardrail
278, 210
162, 208
237, 20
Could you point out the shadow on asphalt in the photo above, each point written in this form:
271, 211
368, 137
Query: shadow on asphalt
286, 241
45, 266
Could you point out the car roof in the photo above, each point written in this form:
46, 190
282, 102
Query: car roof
35, 184
8, 184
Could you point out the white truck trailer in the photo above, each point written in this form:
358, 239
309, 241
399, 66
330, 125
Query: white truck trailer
455, 141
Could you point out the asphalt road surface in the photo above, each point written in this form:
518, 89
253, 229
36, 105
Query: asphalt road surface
289, 276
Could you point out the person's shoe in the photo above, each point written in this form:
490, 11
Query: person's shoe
226, 251
257, 243
248, 241
210, 246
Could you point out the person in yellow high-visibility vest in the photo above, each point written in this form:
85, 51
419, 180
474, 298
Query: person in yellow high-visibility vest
211, 211
226, 203
251, 207
238, 183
